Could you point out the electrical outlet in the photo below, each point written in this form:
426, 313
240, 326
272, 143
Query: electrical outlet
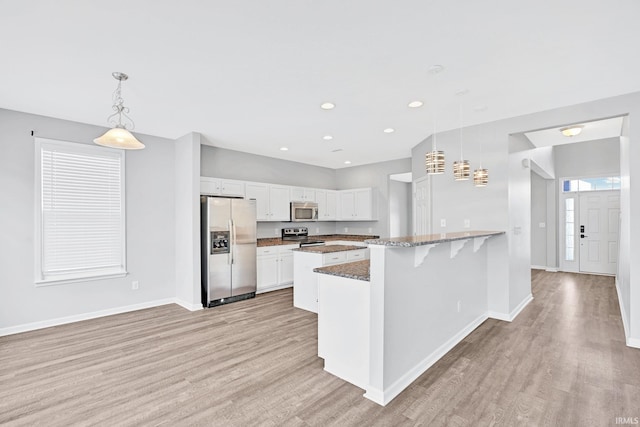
346, 229
459, 306
443, 222
542, 225
370, 230
317, 230
467, 223
135, 285
276, 232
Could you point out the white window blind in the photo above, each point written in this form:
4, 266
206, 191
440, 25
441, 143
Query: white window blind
81, 211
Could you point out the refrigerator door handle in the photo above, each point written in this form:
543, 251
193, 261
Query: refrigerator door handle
232, 229
235, 237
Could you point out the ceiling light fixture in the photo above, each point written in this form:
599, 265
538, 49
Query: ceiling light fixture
481, 175
415, 104
284, 149
327, 137
347, 162
434, 159
389, 130
118, 136
461, 167
327, 105
572, 130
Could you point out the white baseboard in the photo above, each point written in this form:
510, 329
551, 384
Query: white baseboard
85, 316
630, 341
514, 313
552, 269
188, 306
388, 394
538, 267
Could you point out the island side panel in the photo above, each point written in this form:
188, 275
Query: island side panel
414, 311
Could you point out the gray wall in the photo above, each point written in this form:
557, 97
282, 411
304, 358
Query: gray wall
538, 215
400, 208
591, 158
222, 163
377, 176
150, 224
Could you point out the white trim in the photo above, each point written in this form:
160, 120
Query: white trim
274, 288
188, 306
538, 267
382, 397
630, 341
552, 269
514, 313
84, 316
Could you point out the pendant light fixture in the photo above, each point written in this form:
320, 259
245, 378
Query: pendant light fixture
118, 136
480, 175
461, 167
434, 159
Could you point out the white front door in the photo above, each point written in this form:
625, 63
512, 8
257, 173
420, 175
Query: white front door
598, 231
421, 208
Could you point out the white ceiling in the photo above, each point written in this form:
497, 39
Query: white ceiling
600, 129
250, 75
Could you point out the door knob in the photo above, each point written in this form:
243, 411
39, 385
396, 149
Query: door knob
582, 236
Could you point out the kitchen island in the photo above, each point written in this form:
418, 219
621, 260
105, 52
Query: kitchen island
305, 259
382, 325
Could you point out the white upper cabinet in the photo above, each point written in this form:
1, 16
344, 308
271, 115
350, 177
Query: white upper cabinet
356, 205
327, 204
301, 194
221, 187
272, 201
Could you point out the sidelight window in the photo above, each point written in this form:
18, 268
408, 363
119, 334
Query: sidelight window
80, 212
569, 227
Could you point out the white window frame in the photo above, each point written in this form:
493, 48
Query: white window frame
42, 279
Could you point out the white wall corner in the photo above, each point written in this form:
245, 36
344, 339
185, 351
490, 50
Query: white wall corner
509, 317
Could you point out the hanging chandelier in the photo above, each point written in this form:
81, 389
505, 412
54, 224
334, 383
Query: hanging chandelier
118, 136
461, 167
480, 175
434, 159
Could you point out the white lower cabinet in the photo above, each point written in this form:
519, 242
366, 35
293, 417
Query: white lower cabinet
305, 281
274, 267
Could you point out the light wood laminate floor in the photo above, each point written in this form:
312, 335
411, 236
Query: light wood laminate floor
562, 362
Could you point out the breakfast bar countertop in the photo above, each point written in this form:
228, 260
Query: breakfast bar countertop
358, 270
428, 239
320, 249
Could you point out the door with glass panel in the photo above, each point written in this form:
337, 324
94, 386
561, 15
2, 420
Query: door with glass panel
598, 232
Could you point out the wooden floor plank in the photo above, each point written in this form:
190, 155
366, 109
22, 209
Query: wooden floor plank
562, 362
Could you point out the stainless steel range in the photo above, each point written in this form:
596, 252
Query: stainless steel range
301, 235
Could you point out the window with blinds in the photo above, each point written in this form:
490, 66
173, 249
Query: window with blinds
80, 212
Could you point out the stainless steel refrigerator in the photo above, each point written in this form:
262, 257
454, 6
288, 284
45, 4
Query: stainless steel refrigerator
228, 237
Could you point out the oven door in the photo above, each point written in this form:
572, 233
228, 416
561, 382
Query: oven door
304, 212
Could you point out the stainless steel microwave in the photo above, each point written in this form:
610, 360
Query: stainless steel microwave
304, 211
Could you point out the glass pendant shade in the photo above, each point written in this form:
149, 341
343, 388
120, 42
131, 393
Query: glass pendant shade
461, 170
434, 162
480, 177
119, 138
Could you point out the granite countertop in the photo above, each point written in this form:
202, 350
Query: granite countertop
277, 241
358, 270
428, 239
328, 249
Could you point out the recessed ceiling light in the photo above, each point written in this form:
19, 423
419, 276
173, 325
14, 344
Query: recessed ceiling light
327, 106
571, 130
327, 137
347, 162
284, 149
415, 104
461, 92
389, 130
336, 150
